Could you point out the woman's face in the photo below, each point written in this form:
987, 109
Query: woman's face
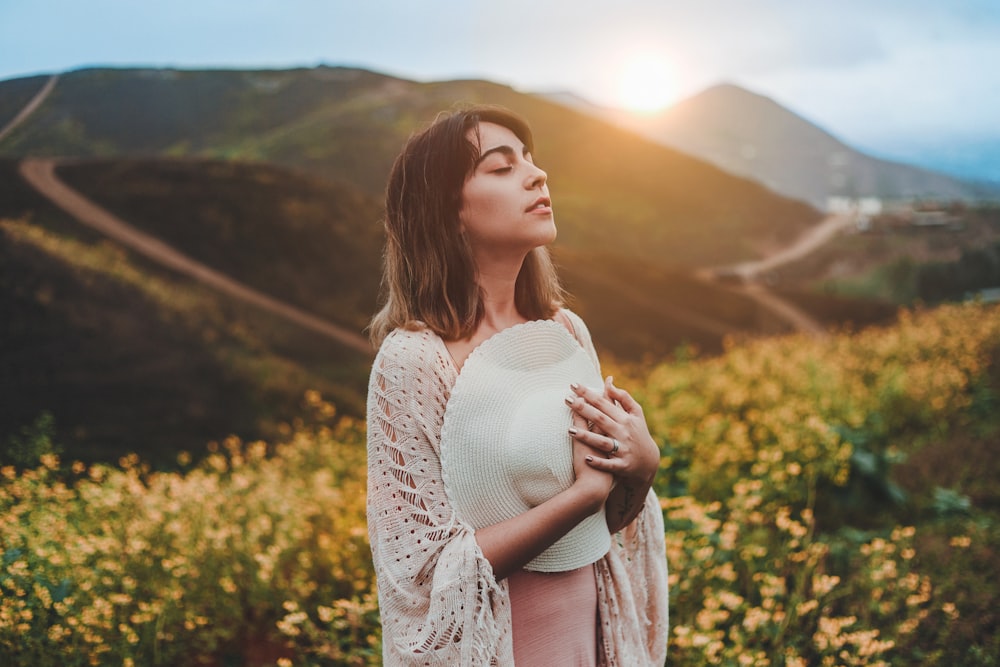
506, 209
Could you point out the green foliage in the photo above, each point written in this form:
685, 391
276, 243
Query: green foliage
948, 502
978, 268
26, 448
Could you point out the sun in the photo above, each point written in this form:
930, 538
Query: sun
646, 83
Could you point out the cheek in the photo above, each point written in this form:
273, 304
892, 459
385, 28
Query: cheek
478, 204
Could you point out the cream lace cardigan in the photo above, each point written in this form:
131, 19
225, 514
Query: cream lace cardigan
439, 601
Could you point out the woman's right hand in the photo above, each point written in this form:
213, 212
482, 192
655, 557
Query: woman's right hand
595, 484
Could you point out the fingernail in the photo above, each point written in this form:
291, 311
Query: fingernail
590, 459
572, 431
574, 386
570, 400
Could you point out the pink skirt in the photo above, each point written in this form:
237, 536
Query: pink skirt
554, 617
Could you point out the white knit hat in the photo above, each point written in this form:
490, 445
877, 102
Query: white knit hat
505, 446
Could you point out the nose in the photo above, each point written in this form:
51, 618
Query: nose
536, 178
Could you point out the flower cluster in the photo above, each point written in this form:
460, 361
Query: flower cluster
255, 551
258, 554
764, 451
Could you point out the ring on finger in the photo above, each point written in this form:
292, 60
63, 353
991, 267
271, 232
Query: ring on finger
614, 446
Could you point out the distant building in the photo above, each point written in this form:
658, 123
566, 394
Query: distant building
932, 219
862, 208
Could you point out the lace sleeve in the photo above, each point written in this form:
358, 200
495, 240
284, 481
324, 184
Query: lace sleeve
439, 601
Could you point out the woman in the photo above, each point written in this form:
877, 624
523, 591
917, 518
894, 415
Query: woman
486, 554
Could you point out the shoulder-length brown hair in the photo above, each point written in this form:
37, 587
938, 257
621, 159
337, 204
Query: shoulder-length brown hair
429, 274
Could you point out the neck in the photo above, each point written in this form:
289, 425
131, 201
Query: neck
500, 309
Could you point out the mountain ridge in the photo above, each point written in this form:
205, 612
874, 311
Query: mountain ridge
750, 134
614, 188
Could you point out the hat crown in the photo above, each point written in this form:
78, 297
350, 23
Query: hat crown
505, 445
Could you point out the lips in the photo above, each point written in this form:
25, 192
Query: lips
540, 203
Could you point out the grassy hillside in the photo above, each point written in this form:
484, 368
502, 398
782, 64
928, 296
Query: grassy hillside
314, 243
317, 244
16, 93
794, 533
610, 187
128, 357
78, 340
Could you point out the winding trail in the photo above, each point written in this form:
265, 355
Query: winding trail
40, 173
30, 107
832, 225
749, 273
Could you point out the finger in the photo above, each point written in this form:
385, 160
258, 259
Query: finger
603, 422
600, 443
607, 465
596, 398
629, 404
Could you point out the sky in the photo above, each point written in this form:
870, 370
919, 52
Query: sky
917, 80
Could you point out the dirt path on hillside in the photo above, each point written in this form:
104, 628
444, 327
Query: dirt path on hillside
30, 107
40, 173
832, 225
749, 273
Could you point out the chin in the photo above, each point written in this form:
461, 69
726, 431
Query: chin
551, 236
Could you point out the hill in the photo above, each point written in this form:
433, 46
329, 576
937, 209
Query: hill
611, 188
130, 357
753, 136
316, 245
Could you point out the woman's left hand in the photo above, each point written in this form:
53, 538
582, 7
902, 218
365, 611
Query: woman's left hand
620, 437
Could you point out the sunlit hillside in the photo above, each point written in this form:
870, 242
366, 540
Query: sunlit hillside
826, 502
611, 188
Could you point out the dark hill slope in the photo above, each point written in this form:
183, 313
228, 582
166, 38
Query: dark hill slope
611, 188
315, 244
131, 357
16, 93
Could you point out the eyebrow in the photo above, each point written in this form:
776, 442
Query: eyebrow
503, 150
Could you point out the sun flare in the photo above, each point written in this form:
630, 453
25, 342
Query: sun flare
647, 83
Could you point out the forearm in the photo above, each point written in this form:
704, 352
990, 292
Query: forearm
625, 502
511, 544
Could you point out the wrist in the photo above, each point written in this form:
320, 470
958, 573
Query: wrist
639, 479
590, 493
